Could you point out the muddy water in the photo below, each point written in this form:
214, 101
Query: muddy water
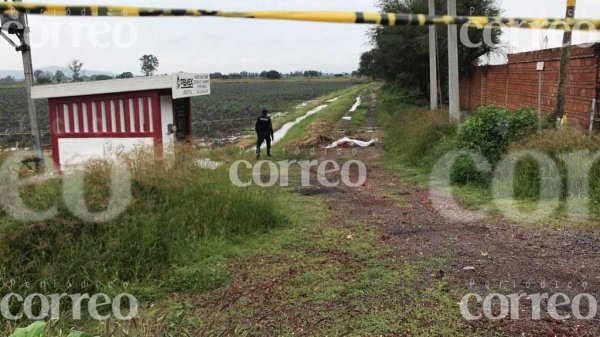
280, 134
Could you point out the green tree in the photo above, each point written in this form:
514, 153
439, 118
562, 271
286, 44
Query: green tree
271, 75
46, 78
312, 73
7, 79
38, 74
42, 77
367, 64
126, 74
215, 76
100, 77
59, 76
401, 54
149, 64
75, 66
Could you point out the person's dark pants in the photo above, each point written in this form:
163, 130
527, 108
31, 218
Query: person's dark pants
259, 142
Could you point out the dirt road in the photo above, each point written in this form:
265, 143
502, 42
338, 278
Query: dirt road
483, 256
476, 257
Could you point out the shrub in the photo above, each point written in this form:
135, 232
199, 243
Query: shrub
521, 123
527, 179
487, 132
490, 130
465, 172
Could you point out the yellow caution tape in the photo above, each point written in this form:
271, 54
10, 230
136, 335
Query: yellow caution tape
385, 19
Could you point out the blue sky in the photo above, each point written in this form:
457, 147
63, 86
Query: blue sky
213, 44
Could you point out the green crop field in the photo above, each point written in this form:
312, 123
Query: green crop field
14, 119
231, 107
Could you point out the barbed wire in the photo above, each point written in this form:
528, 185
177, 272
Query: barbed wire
385, 19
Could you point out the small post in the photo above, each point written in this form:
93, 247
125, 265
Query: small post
433, 82
592, 117
540, 69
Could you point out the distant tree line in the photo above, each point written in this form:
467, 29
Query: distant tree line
234, 76
46, 77
267, 74
148, 65
276, 75
7, 79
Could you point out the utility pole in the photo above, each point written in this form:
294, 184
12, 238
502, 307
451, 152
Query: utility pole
563, 79
433, 82
21, 30
453, 85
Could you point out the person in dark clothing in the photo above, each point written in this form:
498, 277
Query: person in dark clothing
264, 132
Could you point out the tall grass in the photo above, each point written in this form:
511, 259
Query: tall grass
564, 147
157, 244
416, 138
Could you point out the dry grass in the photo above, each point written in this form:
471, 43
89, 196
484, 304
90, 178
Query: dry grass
554, 141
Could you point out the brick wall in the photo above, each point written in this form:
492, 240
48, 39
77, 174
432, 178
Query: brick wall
515, 84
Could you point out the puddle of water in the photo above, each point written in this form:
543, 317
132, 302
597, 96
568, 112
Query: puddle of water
355, 106
305, 104
279, 134
208, 163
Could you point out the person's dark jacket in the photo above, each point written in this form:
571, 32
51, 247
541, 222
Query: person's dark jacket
264, 127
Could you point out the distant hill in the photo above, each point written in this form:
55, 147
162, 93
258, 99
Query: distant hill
18, 74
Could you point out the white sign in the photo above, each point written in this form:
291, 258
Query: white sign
189, 85
540, 66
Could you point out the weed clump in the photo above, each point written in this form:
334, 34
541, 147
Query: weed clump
176, 210
491, 130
